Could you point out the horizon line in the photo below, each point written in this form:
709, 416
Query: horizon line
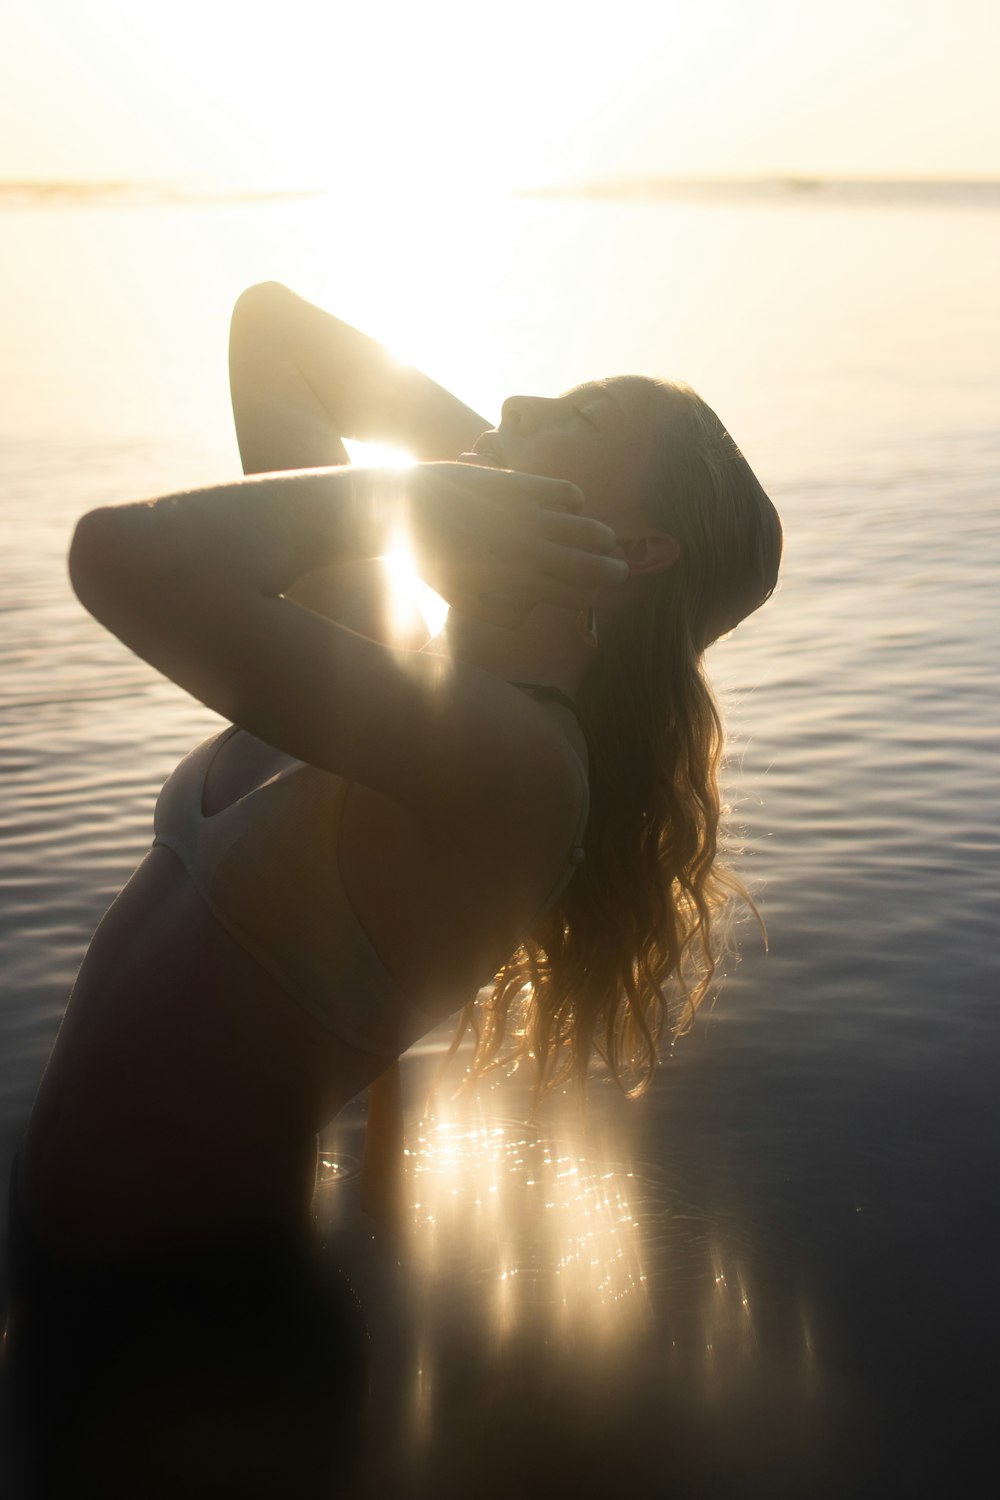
219, 187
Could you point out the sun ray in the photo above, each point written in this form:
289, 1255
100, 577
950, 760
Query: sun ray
408, 589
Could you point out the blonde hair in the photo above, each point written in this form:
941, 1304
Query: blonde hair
631, 948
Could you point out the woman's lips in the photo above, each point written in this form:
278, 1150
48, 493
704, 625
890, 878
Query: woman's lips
487, 450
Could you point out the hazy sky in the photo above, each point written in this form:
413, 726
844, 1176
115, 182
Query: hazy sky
525, 92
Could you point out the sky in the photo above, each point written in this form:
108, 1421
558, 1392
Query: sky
458, 95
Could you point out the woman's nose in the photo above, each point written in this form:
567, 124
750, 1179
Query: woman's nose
521, 413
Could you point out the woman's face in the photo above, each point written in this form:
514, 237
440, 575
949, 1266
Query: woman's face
599, 436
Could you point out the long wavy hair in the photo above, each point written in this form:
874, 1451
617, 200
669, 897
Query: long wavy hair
630, 950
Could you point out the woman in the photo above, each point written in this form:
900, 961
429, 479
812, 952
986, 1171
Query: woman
389, 829
201, 1050
530, 799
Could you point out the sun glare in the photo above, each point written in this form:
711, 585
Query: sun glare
372, 100
409, 589
549, 1227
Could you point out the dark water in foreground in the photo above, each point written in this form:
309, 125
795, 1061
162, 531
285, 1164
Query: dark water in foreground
777, 1273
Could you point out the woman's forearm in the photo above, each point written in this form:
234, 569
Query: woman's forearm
300, 377
491, 541
259, 535
196, 585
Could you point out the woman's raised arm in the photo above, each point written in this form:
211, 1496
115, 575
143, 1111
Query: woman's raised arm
300, 379
196, 584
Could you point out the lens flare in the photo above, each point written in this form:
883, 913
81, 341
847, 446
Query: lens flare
409, 590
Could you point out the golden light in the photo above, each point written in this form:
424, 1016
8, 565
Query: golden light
548, 1227
408, 589
372, 100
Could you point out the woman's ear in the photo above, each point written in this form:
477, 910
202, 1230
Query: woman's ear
649, 552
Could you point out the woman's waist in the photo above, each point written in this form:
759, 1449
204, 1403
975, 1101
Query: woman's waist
172, 1019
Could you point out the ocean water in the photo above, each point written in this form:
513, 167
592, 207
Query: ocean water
776, 1273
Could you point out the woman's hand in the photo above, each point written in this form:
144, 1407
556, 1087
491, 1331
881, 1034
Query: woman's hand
494, 543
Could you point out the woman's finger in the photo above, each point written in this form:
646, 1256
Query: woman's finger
560, 495
508, 485
583, 570
583, 533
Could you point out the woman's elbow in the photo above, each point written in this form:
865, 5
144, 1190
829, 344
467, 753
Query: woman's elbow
86, 551
110, 546
259, 302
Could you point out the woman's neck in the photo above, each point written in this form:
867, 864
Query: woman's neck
545, 649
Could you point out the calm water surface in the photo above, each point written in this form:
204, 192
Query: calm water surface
777, 1273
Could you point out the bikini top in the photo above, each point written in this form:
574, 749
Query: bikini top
267, 868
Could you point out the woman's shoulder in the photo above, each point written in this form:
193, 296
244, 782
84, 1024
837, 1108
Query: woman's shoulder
519, 798
535, 774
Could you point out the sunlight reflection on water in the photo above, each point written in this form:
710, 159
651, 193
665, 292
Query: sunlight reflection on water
552, 1229
544, 1282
